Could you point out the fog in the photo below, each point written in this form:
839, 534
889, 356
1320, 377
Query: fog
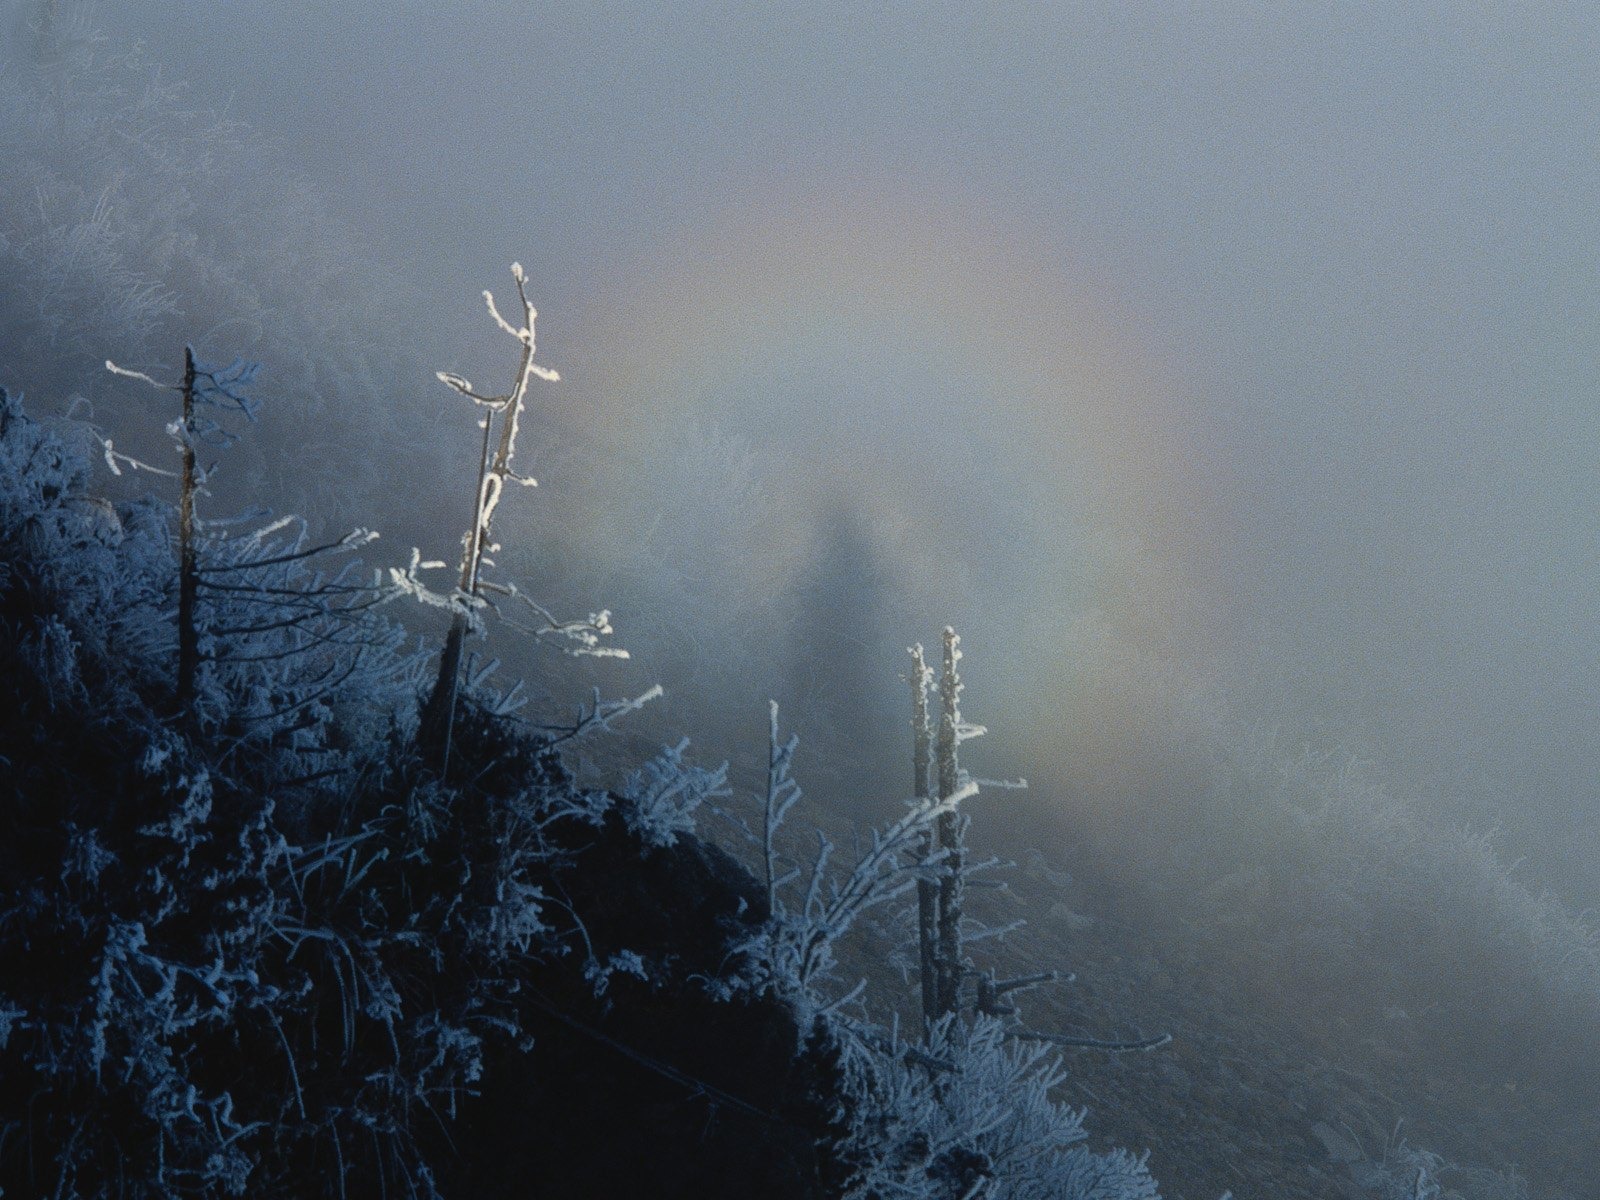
1229, 366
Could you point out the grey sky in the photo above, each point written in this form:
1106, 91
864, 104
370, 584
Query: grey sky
1356, 245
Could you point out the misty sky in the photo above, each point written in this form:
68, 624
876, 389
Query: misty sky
1343, 259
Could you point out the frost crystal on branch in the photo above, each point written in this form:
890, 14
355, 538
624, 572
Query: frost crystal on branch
660, 798
254, 609
500, 425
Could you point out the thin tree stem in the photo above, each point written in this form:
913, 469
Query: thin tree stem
927, 889
188, 571
952, 879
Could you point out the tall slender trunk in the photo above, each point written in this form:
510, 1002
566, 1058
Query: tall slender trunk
494, 472
952, 880
188, 567
927, 889
439, 712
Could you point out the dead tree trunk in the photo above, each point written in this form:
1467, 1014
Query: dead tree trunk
438, 714
950, 963
927, 888
188, 565
494, 472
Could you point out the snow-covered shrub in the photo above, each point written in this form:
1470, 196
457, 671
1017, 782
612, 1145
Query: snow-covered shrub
811, 906
1354, 868
134, 877
623, 962
967, 1114
660, 799
1407, 1172
104, 569
241, 948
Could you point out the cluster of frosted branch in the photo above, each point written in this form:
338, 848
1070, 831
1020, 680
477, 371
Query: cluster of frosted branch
582, 636
287, 628
500, 423
222, 388
406, 581
597, 716
495, 469
792, 952
782, 794
659, 800
272, 625
970, 1115
214, 387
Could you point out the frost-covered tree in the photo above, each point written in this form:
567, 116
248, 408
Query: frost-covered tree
134, 217
941, 889
793, 953
945, 868
949, 961
966, 1109
248, 948
271, 627
927, 886
502, 416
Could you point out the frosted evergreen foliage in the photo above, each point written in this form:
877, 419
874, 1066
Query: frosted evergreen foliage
660, 798
968, 1111
812, 906
239, 946
970, 1114
283, 625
